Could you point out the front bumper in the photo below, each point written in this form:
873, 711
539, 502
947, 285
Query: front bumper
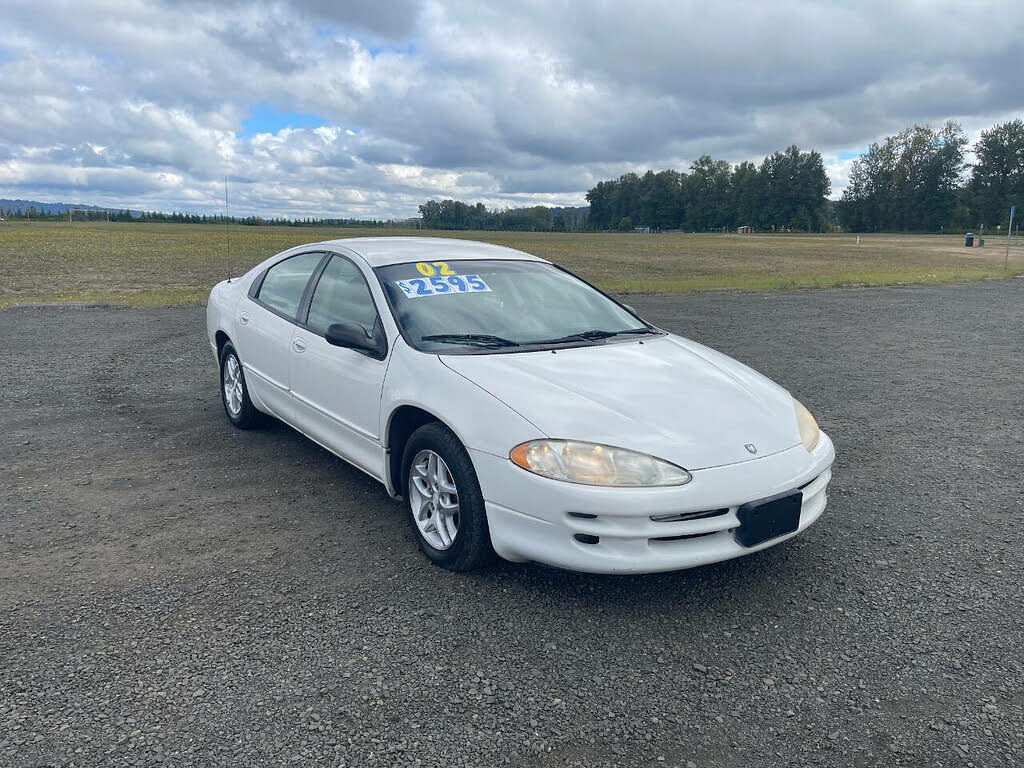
552, 522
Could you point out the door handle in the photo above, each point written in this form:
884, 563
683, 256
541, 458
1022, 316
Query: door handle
299, 345
243, 318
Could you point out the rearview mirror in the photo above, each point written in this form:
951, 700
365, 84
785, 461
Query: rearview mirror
352, 336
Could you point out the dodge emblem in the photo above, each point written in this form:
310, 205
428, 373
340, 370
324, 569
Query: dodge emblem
751, 448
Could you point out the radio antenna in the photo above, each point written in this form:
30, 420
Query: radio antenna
227, 227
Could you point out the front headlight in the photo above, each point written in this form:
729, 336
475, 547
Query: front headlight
593, 464
809, 431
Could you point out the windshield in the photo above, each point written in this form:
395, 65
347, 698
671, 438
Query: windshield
486, 305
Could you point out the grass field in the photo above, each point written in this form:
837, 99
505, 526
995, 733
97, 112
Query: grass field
153, 264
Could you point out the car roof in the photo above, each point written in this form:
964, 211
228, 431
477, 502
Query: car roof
381, 251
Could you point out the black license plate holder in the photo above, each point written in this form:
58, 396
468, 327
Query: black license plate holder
767, 519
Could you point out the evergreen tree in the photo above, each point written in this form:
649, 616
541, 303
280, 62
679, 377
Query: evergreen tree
909, 182
997, 178
707, 192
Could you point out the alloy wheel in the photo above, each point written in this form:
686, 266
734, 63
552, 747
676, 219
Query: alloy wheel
434, 499
233, 385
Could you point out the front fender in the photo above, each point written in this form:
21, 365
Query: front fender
481, 421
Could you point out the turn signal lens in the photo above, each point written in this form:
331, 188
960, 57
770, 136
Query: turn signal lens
595, 464
809, 431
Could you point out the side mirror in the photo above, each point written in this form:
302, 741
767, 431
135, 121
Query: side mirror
631, 309
352, 336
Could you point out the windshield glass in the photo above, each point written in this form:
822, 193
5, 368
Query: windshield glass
484, 305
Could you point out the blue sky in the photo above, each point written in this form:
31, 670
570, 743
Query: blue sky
406, 50
263, 118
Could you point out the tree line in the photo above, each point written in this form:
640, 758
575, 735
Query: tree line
32, 213
455, 214
260, 221
52, 213
919, 180
787, 190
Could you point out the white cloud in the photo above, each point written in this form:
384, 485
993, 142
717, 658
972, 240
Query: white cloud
510, 103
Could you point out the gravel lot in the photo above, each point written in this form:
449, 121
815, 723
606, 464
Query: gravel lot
176, 592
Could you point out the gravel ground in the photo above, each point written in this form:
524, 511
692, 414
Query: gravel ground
176, 592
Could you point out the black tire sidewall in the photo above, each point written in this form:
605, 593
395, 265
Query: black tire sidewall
472, 546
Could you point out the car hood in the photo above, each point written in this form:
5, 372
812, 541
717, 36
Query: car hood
667, 396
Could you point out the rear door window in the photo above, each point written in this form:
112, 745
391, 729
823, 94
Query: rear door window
285, 283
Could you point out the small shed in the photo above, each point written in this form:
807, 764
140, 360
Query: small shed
746, 229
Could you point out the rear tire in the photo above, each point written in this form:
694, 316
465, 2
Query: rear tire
234, 394
469, 547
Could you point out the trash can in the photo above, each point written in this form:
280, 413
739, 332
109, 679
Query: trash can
969, 240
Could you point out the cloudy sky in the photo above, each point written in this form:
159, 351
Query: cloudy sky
368, 107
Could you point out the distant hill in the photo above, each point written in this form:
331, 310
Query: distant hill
6, 204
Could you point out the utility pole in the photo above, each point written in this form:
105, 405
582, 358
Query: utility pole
1009, 231
227, 227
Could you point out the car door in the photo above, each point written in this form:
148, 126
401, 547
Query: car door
337, 390
264, 325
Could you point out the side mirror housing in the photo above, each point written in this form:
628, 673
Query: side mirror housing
352, 336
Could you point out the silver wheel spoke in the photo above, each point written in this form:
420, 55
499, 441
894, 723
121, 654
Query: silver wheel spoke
444, 483
421, 513
441, 525
450, 524
421, 486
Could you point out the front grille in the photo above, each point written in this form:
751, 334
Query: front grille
684, 536
680, 516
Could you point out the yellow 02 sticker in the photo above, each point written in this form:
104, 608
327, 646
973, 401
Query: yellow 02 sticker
431, 268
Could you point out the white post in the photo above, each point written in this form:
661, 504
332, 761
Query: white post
1009, 231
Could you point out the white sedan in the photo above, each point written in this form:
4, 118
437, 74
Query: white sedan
517, 409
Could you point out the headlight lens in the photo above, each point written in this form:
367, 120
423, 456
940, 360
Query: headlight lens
594, 464
809, 431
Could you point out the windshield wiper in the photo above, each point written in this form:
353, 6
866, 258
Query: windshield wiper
482, 339
594, 334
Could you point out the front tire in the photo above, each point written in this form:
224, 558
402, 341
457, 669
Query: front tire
234, 394
443, 500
